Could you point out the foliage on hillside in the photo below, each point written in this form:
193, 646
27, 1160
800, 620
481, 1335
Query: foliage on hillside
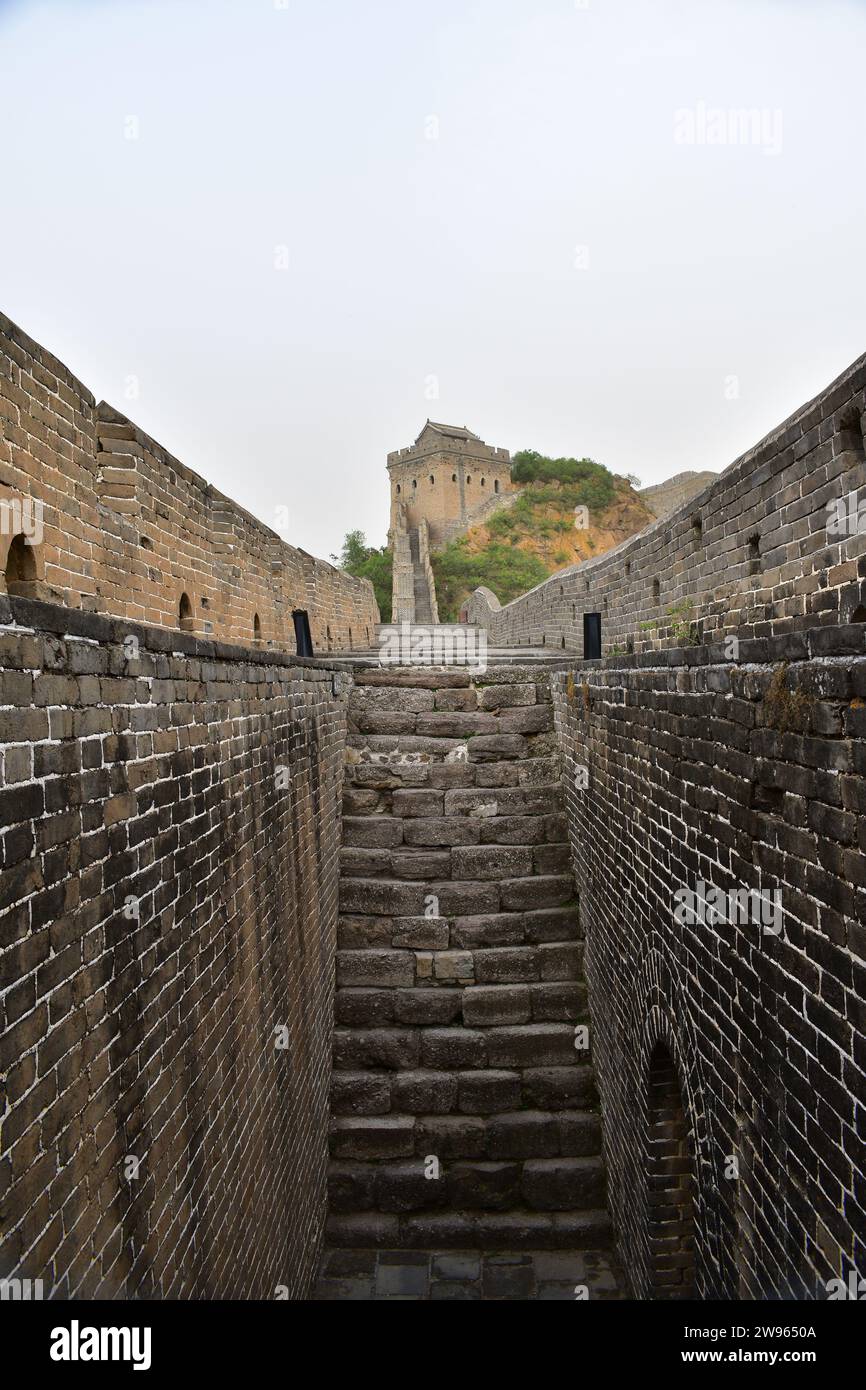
366, 562
535, 535
458, 570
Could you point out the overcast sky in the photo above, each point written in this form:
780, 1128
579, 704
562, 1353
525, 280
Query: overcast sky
279, 235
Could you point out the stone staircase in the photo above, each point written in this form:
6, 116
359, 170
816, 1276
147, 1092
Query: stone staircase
463, 1116
423, 608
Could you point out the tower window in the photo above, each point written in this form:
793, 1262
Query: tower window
754, 554
495, 484
257, 630
398, 488
432, 480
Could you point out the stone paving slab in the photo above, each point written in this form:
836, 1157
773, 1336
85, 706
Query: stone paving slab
468, 1276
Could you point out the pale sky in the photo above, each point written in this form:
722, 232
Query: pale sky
288, 225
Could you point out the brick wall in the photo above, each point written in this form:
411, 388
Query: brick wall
744, 776
169, 896
128, 529
751, 555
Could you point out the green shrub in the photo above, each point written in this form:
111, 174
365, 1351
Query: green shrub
458, 571
366, 562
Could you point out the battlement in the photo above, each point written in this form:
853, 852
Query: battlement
127, 529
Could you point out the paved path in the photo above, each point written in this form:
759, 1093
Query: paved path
414, 1275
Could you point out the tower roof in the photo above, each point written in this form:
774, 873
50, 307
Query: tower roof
449, 431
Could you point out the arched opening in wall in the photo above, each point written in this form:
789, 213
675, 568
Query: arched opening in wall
670, 1183
432, 480
697, 532
859, 614
21, 576
627, 568
495, 484
303, 638
414, 484
184, 614
851, 432
483, 481
755, 554
562, 642
398, 489
657, 590
350, 639
328, 637
469, 477
367, 630
257, 630
454, 477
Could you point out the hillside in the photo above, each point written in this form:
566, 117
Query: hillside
536, 535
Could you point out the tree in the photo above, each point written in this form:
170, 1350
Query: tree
366, 562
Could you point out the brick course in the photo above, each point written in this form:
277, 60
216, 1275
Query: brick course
169, 896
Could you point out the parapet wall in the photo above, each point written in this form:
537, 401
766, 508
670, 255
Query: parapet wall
170, 829
687, 778
750, 556
128, 529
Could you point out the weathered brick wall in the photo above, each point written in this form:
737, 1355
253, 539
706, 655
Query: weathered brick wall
751, 555
169, 897
128, 529
744, 776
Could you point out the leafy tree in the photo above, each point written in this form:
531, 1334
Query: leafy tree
366, 562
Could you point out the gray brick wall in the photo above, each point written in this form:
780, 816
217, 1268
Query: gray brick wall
748, 776
751, 555
169, 900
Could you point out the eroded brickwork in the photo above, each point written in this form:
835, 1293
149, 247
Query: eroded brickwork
127, 530
169, 896
729, 776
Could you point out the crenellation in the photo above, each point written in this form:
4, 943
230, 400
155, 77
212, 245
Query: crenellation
128, 529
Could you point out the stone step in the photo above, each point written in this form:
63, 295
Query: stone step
465, 897
422, 1184
488, 1231
459, 862
554, 926
481, 1093
522, 1134
526, 1047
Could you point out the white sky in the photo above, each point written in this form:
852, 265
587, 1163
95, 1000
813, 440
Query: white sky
304, 124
